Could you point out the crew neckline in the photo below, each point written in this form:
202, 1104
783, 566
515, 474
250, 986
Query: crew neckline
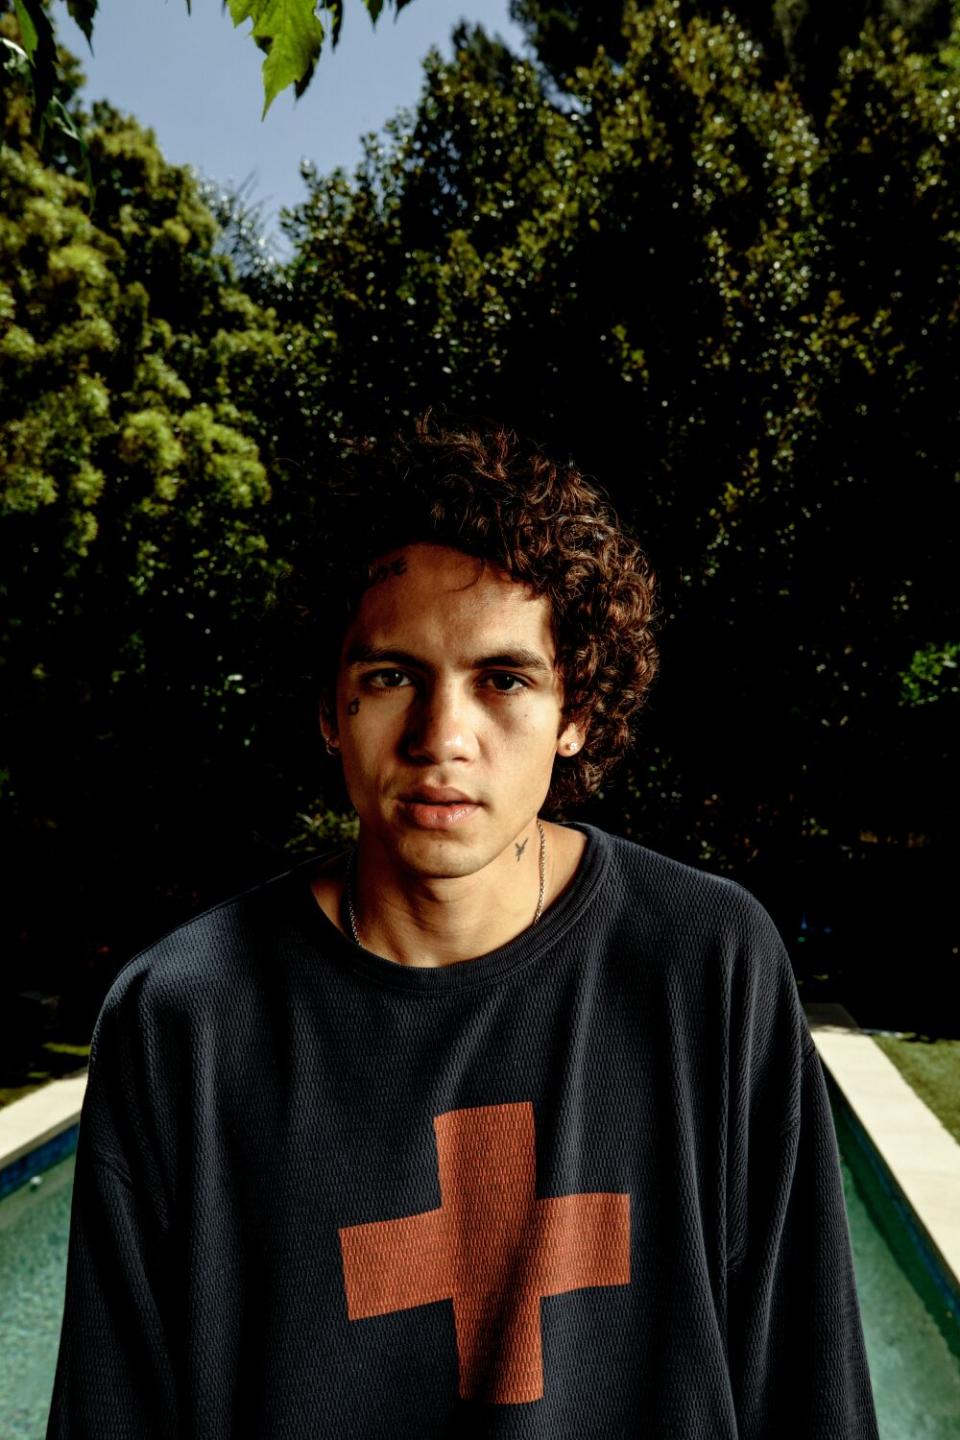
482, 970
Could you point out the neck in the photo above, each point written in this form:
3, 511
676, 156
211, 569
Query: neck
416, 920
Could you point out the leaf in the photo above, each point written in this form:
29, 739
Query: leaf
334, 8
374, 8
58, 118
41, 48
28, 31
13, 59
291, 34
83, 11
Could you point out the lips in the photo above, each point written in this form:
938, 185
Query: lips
437, 807
438, 795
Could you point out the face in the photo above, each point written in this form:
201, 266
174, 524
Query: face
448, 710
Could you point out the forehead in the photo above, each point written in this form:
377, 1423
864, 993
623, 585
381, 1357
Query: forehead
438, 595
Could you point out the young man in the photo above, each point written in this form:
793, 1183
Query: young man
493, 1126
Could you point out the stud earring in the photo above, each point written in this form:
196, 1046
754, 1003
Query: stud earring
571, 744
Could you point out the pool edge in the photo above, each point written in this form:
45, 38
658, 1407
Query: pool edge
919, 1153
921, 1157
39, 1130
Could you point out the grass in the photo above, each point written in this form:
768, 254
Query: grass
55, 1060
932, 1069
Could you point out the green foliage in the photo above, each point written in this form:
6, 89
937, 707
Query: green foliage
740, 315
291, 35
802, 40
290, 32
323, 830
134, 555
932, 675
82, 12
30, 67
745, 324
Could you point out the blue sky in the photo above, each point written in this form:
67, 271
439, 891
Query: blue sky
195, 81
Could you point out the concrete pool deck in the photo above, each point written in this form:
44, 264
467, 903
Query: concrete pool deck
919, 1152
27, 1124
917, 1149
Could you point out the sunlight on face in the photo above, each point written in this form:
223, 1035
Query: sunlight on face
449, 709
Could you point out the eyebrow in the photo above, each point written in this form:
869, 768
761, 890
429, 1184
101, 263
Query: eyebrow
517, 659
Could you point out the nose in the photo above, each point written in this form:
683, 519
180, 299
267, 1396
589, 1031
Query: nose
440, 728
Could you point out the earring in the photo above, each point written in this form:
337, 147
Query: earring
571, 744
332, 747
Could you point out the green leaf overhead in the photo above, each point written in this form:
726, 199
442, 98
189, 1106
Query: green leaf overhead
334, 9
28, 30
38, 41
290, 34
82, 13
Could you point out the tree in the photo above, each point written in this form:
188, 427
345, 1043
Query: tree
803, 41
679, 277
741, 320
133, 556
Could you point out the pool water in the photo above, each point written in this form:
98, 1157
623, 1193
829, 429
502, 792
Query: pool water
911, 1318
34, 1225
915, 1375
909, 1325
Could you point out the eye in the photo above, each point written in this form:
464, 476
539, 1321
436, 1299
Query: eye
387, 679
505, 684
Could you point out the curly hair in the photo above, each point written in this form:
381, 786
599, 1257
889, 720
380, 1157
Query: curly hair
492, 495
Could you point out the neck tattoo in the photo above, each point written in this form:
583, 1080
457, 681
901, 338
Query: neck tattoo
351, 880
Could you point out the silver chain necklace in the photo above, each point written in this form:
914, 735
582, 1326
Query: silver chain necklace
351, 870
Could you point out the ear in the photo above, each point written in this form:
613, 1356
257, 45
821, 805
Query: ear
328, 726
572, 738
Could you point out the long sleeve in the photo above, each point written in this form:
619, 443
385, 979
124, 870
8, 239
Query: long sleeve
797, 1359
114, 1375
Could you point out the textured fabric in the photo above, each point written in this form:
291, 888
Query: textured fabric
584, 1185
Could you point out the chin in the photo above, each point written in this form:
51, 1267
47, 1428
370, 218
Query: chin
439, 856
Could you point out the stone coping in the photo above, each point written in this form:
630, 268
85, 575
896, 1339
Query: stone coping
27, 1124
920, 1153
918, 1150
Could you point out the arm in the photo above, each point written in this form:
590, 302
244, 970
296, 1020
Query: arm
115, 1373
796, 1352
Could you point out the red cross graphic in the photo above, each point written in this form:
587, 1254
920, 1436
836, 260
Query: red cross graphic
492, 1248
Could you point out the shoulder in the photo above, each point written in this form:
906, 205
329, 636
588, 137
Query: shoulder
205, 958
708, 938
697, 929
683, 899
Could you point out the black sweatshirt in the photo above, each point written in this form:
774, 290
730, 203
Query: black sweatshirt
584, 1185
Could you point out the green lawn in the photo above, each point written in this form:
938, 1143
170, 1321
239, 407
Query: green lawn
932, 1068
56, 1060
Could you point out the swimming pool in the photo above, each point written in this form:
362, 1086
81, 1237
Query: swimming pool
34, 1224
909, 1318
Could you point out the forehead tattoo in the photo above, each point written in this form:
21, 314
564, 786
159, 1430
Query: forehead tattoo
384, 570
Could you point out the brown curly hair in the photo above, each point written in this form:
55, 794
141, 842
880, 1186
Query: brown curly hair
492, 495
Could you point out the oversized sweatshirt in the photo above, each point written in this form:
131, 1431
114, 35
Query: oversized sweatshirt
584, 1185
